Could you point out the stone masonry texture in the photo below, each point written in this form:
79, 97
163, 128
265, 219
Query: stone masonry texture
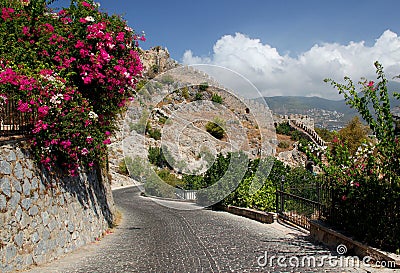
43, 215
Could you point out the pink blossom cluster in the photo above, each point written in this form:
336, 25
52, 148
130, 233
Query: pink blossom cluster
88, 65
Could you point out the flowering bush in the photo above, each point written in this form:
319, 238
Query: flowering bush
75, 69
366, 184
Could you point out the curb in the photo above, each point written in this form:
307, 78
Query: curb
331, 238
260, 216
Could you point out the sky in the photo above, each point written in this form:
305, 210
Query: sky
283, 47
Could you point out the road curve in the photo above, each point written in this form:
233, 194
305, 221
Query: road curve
156, 238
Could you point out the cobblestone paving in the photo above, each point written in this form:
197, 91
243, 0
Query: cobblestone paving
156, 238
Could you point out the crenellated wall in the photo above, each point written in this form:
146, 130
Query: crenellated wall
43, 215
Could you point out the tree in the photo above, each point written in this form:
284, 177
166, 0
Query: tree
354, 134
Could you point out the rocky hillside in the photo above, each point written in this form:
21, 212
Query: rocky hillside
172, 111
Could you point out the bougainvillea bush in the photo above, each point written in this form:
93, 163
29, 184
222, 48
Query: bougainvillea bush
366, 184
75, 68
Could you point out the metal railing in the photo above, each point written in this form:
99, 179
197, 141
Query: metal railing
14, 122
300, 205
186, 194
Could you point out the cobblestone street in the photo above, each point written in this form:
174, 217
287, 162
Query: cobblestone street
156, 238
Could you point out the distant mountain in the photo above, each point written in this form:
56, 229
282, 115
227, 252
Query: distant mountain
327, 113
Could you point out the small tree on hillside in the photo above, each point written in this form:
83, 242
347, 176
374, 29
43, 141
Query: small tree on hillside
354, 134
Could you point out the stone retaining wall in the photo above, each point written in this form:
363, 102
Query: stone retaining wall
42, 215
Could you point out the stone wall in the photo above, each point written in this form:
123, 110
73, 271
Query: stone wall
42, 215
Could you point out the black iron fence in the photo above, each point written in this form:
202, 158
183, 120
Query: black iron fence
14, 122
302, 204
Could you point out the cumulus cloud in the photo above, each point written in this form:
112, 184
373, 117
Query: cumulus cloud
275, 74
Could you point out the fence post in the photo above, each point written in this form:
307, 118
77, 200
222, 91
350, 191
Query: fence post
282, 208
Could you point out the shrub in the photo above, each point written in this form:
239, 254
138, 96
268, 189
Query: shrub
283, 129
215, 128
167, 79
122, 168
216, 98
203, 86
283, 145
367, 185
154, 133
185, 92
75, 68
198, 96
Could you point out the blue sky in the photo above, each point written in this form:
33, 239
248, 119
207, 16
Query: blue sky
287, 33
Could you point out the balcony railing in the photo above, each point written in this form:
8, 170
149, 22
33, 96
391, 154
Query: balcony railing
14, 122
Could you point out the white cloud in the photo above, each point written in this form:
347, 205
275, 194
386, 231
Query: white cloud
275, 74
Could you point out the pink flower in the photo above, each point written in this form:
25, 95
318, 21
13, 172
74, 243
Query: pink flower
83, 20
25, 30
62, 12
89, 139
107, 133
23, 107
371, 84
46, 160
120, 37
84, 151
65, 143
107, 141
43, 111
87, 5
91, 164
79, 44
344, 198
5, 13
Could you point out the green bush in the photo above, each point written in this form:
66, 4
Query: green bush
154, 133
283, 129
167, 79
283, 144
157, 158
122, 168
198, 96
203, 86
185, 92
216, 98
366, 185
215, 128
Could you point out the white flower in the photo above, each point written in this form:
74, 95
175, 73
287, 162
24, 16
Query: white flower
128, 29
56, 99
93, 115
89, 19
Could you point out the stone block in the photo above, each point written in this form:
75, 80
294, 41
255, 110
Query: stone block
28, 173
34, 211
3, 203
45, 218
26, 204
19, 239
27, 188
17, 185
11, 156
14, 201
25, 220
5, 186
35, 238
5, 167
10, 253
18, 172
18, 214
